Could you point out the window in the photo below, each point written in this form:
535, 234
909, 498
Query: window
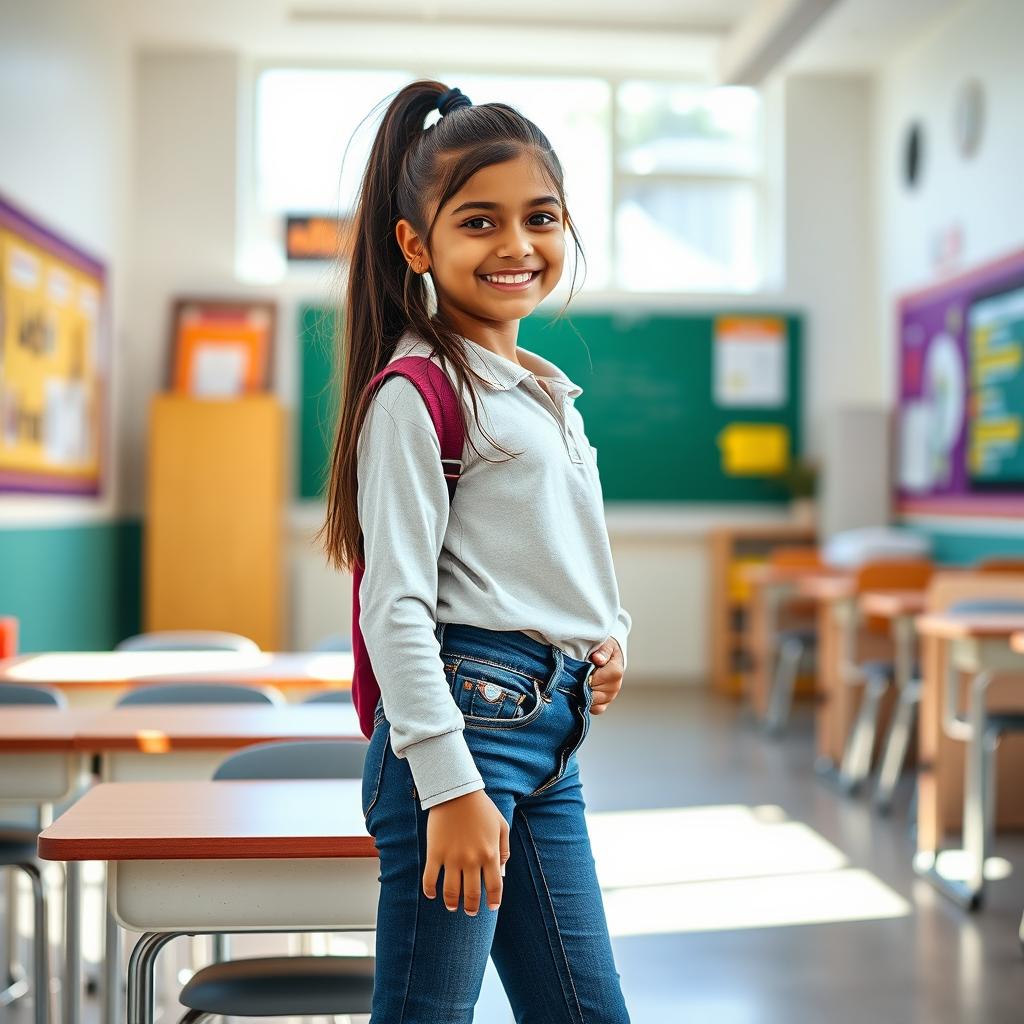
663, 179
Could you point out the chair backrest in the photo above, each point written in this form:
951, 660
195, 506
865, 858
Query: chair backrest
949, 588
189, 640
302, 759
796, 555
333, 642
330, 697
199, 693
894, 574
17, 694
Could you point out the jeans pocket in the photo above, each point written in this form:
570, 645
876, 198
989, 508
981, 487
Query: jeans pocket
491, 695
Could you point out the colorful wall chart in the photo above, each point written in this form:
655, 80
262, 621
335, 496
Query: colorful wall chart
961, 397
52, 374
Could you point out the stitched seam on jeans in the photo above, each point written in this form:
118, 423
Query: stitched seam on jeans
416, 920
497, 664
551, 904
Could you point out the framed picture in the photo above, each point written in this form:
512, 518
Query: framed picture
221, 348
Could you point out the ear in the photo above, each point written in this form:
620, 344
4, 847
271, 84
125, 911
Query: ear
411, 246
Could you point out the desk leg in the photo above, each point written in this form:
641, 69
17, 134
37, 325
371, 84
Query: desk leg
977, 790
113, 1004
72, 988
977, 799
908, 689
140, 975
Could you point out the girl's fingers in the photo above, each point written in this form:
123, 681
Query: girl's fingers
471, 891
452, 885
493, 884
430, 876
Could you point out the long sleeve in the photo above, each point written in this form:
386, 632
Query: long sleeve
619, 632
403, 511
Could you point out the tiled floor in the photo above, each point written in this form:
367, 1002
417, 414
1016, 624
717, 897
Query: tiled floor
741, 890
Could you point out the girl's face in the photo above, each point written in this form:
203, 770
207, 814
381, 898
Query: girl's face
505, 220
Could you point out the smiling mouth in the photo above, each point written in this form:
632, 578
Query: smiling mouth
512, 282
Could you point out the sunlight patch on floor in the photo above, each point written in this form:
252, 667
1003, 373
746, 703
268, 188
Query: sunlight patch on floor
726, 867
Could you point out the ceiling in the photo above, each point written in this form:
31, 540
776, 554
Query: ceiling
660, 37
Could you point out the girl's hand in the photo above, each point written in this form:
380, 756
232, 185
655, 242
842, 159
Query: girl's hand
606, 679
466, 835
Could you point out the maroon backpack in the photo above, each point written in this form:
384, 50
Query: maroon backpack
443, 405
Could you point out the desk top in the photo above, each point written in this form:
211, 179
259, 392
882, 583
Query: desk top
891, 604
161, 728
128, 668
211, 821
951, 626
830, 586
157, 729
34, 728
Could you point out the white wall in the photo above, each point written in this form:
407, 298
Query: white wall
65, 117
982, 195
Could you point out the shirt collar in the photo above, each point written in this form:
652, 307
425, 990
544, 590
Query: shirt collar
502, 374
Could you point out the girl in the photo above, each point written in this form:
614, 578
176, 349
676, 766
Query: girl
493, 626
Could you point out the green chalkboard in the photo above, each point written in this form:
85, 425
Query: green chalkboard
648, 401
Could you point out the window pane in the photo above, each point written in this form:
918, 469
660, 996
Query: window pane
672, 127
304, 120
688, 236
575, 115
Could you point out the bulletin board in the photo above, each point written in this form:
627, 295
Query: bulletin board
960, 424
52, 352
682, 407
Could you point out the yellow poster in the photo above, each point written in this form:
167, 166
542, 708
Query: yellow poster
52, 298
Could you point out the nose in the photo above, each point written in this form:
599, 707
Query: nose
515, 243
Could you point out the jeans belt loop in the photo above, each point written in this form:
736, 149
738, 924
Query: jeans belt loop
559, 665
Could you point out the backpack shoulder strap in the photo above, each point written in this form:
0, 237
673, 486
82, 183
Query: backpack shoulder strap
442, 404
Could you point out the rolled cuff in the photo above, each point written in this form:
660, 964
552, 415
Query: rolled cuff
442, 768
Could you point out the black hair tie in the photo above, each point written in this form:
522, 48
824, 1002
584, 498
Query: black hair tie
452, 99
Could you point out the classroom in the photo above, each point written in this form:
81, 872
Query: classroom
704, 703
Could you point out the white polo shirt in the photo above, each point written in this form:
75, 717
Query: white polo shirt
524, 547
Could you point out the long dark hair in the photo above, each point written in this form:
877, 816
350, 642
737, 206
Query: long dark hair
408, 167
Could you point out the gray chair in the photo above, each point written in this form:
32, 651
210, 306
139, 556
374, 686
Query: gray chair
18, 850
301, 986
333, 642
199, 693
794, 645
188, 640
330, 697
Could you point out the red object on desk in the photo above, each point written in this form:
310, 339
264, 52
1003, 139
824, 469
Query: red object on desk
8, 636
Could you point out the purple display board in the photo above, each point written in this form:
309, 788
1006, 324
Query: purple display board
960, 437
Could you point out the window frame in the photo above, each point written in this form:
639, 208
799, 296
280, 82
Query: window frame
769, 221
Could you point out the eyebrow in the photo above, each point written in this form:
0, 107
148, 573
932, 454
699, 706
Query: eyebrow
481, 205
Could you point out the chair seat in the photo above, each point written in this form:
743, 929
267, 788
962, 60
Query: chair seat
17, 845
283, 986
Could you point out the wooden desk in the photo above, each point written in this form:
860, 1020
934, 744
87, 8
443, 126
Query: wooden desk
42, 751
187, 857
978, 645
94, 678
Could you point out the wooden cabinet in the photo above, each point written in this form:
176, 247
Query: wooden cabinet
731, 548
214, 528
